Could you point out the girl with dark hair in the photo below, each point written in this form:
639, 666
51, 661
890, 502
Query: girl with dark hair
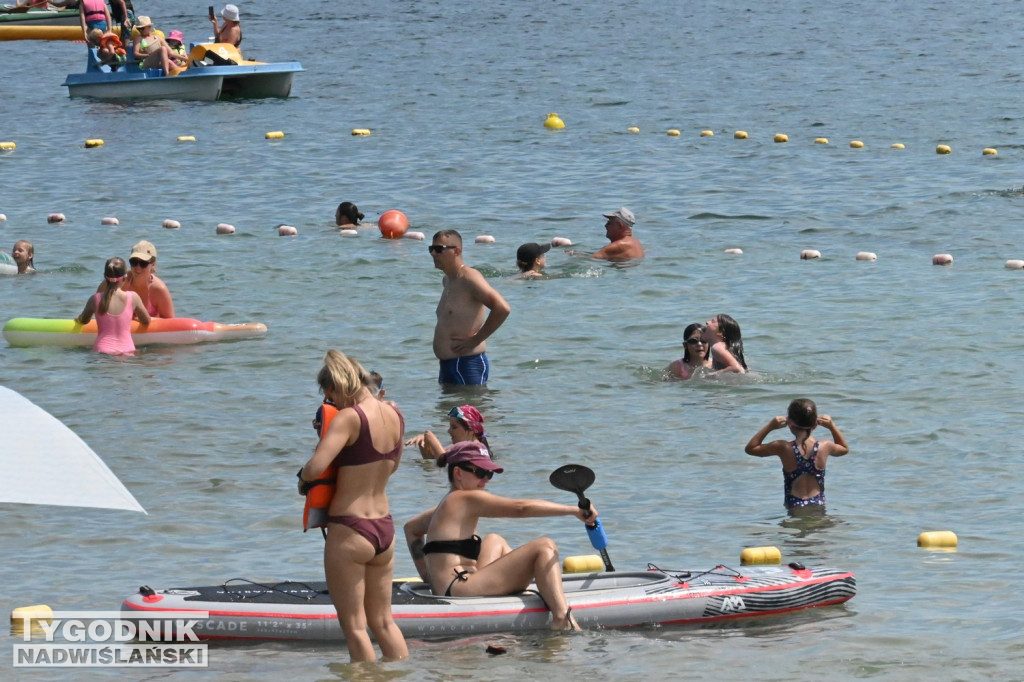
114, 309
723, 333
803, 458
695, 353
347, 215
465, 423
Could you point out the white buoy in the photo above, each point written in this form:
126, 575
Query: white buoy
1015, 264
286, 231
734, 252
225, 228
415, 235
484, 239
561, 241
809, 254
3, 218
171, 224
348, 232
942, 259
110, 221
55, 218
866, 255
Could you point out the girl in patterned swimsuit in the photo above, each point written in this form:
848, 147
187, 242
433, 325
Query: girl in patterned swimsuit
803, 459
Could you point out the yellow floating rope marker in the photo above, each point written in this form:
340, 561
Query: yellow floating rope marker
89, 144
943, 149
856, 144
275, 135
989, 151
673, 132
937, 539
186, 138
821, 140
781, 137
760, 556
633, 129
740, 135
553, 122
30, 619
7, 146
897, 145
361, 132
707, 133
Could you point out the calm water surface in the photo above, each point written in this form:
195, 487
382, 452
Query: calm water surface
919, 365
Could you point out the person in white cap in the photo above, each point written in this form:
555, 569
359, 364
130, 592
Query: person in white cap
619, 230
231, 31
142, 280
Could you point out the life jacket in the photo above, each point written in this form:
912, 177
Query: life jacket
320, 492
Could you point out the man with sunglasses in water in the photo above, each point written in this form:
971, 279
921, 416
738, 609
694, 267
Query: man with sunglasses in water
470, 310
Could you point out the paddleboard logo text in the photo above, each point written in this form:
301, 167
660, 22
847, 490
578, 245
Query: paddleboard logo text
96, 639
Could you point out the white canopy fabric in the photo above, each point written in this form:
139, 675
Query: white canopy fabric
42, 461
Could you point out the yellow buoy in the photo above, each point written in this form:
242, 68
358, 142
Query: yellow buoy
186, 138
586, 563
553, 122
89, 144
672, 132
707, 133
856, 144
362, 132
989, 151
30, 619
274, 135
7, 145
740, 135
943, 149
897, 145
760, 556
937, 539
821, 140
632, 129
780, 137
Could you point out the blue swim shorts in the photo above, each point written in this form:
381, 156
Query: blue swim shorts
469, 370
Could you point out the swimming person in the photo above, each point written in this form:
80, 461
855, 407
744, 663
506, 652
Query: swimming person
347, 215
364, 441
462, 329
142, 280
465, 423
114, 309
23, 254
454, 559
530, 259
723, 333
695, 353
619, 231
803, 458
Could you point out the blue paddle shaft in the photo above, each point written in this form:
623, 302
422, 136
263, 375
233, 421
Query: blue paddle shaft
594, 530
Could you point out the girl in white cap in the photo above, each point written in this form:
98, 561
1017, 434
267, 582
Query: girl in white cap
231, 31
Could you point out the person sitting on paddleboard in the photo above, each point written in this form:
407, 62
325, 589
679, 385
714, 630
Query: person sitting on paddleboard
465, 423
457, 563
803, 459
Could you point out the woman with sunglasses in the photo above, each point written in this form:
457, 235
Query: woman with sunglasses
142, 280
457, 563
465, 423
364, 442
695, 353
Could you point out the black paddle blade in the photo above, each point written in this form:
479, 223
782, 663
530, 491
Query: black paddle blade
573, 478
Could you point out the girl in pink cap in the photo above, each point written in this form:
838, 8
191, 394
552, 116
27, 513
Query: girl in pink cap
114, 309
465, 423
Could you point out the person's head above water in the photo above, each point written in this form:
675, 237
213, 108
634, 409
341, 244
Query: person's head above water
802, 415
693, 341
528, 255
347, 214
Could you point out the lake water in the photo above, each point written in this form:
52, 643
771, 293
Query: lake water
919, 365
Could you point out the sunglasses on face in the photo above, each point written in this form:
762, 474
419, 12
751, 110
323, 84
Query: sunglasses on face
439, 248
695, 341
477, 471
137, 263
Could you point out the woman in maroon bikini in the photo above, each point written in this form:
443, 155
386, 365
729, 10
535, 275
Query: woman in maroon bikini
364, 442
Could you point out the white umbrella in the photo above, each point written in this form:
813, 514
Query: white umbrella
42, 461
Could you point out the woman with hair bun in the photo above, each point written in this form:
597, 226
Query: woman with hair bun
803, 458
347, 215
364, 442
114, 309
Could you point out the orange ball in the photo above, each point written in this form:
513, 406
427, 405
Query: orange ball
393, 224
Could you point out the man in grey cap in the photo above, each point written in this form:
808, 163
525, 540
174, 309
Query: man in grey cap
619, 229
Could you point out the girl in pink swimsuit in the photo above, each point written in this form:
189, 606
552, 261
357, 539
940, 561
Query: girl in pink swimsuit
114, 310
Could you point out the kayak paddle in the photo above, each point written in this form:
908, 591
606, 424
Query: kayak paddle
576, 478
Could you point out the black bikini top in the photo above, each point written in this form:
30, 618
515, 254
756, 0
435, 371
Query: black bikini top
469, 548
